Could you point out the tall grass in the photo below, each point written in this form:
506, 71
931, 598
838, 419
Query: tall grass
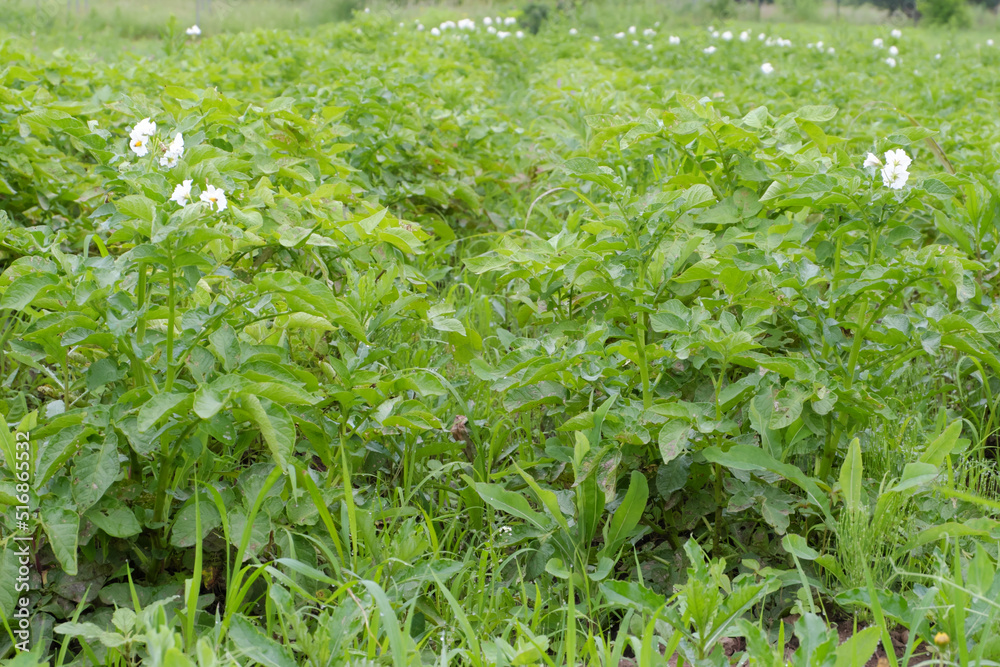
145, 19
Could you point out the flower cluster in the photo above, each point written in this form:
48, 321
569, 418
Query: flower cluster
140, 135
895, 170
193, 31
470, 25
174, 152
211, 195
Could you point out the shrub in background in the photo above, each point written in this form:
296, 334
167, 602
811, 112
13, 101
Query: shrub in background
953, 13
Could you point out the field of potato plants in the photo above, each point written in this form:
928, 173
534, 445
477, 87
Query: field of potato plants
448, 343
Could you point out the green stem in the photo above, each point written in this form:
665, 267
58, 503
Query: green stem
640, 344
717, 469
826, 463
171, 312
140, 301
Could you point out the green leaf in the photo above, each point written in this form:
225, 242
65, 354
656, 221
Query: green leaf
851, 476
91, 632
632, 595
137, 206
115, 519
207, 402
859, 649
590, 507
156, 407
673, 440
55, 451
548, 499
796, 544
276, 426
390, 623
95, 471
23, 291
628, 514
817, 114
257, 646
511, 503
184, 532
915, 475
942, 445
746, 457
62, 526
698, 195
582, 166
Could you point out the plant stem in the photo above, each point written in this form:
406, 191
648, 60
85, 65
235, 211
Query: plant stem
140, 301
640, 344
171, 312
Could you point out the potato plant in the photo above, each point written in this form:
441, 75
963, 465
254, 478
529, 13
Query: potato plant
417, 342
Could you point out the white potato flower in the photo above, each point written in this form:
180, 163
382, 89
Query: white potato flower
674, 39
510, 20
893, 51
174, 152
420, 27
214, 197
648, 32
144, 126
635, 42
727, 35
139, 136
139, 145
573, 32
891, 62
896, 32
767, 68
878, 43
715, 34
709, 50
435, 32
761, 37
937, 56
519, 34
193, 31
596, 38
503, 34
894, 173
491, 30
182, 193
745, 36
631, 29
872, 161
619, 35
831, 50
989, 42
487, 21
649, 47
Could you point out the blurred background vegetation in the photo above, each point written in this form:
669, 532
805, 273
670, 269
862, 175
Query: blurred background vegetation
94, 21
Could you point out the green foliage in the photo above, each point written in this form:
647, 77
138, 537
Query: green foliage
492, 334
533, 16
950, 13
